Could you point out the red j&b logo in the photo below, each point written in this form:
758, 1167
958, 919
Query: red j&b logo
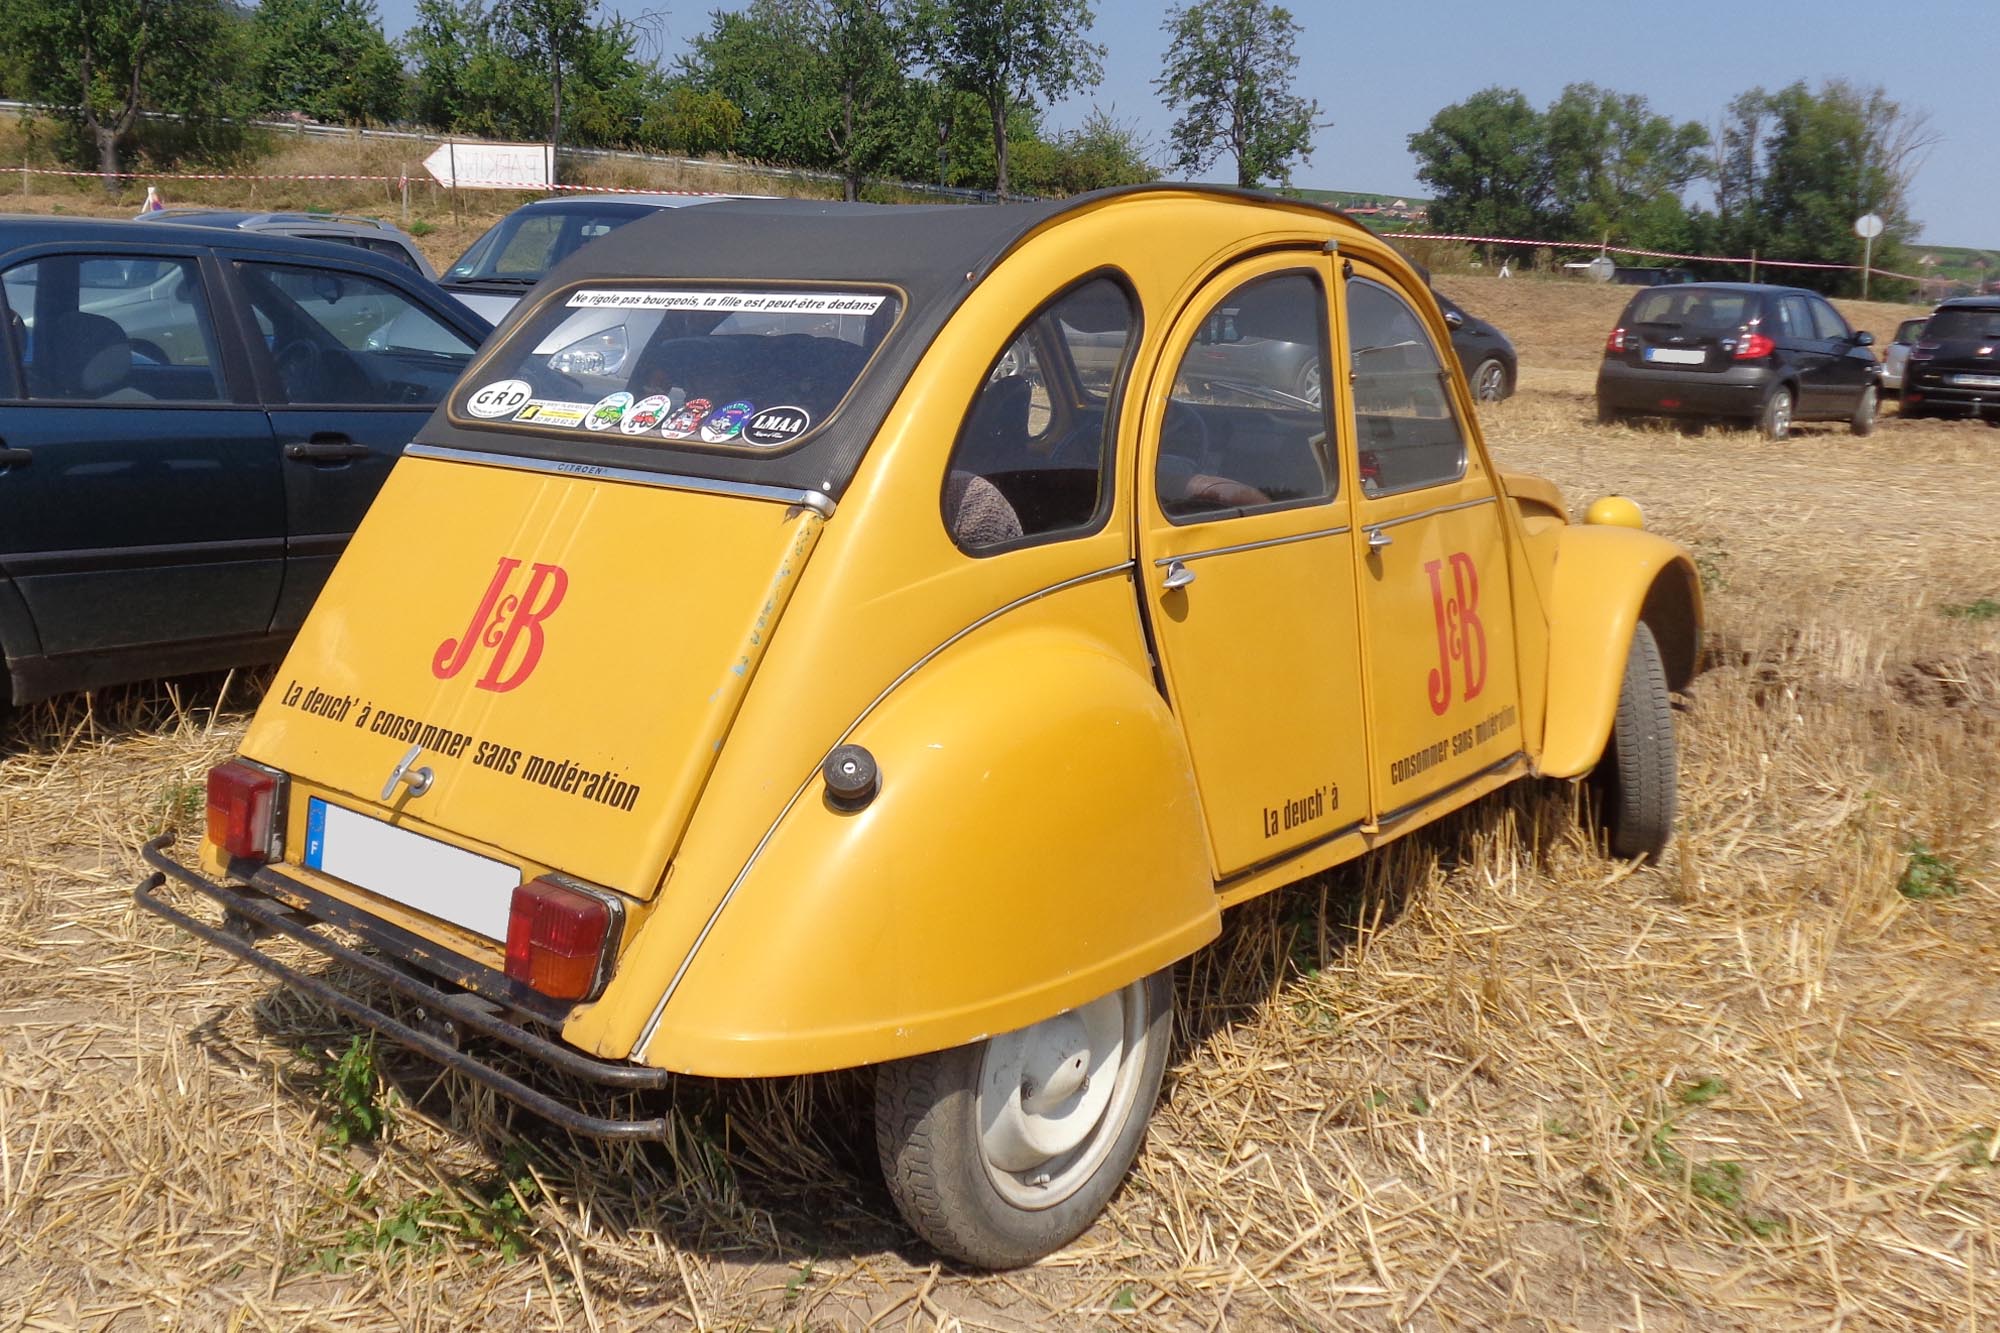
509, 623
1461, 634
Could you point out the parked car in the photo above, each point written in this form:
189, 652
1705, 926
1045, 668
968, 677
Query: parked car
799, 694
1484, 352
191, 424
1954, 370
1897, 354
364, 233
1735, 351
498, 269
1640, 276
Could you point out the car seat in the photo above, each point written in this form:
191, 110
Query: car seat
82, 356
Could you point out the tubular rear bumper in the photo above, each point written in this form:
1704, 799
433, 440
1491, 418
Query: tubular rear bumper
460, 1009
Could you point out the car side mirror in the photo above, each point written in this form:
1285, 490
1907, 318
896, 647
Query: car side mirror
1453, 318
1864, 339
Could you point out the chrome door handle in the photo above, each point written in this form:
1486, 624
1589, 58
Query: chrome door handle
1377, 539
417, 779
1178, 576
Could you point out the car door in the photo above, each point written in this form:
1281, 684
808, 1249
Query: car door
1809, 354
1437, 627
350, 365
1247, 563
1850, 367
140, 504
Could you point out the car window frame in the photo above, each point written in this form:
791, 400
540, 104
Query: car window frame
1817, 304
232, 362
268, 386
1116, 406
1466, 444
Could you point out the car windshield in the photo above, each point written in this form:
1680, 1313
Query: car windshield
1963, 324
746, 368
1688, 308
525, 244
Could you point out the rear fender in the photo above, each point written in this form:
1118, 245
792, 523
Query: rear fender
1608, 580
1035, 844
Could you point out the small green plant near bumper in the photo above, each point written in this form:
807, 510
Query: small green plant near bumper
180, 807
492, 1216
352, 1087
1984, 608
1927, 875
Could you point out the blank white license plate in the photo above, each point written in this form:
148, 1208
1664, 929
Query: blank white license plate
434, 877
1676, 356
1977, 381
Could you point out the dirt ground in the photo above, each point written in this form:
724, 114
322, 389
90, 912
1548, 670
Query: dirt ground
1483, 1080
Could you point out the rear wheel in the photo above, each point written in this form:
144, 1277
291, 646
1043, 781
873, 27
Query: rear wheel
1640, 771
1776, 422
1003, 1151
1863, 420
1607, 415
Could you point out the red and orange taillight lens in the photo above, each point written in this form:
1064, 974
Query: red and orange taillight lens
560, 936
1754, 347
1616, 341
246, 810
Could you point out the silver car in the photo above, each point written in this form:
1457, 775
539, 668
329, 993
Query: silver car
363, 233
1897, 354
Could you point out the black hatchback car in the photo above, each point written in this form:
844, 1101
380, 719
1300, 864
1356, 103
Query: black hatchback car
191, 424
1735, 351
1954, 369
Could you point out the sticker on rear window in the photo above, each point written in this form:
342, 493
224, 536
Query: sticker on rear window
610, 410
725, 423
686, 421
763, 303
776, 425
550, 412
645, 414
500, 398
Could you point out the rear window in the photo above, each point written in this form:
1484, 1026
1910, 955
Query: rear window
1685, 308
1963, 324
524, 245
743, 368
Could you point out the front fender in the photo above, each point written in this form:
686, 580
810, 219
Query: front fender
1607, 580
1036, 843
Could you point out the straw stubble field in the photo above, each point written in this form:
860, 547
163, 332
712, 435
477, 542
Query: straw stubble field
1485, 1079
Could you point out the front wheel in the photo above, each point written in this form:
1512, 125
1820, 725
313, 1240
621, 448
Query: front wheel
1639, 774
1863, 421
1489, 381
1003, 1151
1776, 422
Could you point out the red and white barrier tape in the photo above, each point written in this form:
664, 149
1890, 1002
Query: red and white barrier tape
136, 177
1584, 246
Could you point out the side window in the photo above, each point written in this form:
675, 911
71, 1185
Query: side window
113, 329
1407, 434
1832, 328
1245, 428
1795, 317
1033, 459
342, 337
393, 251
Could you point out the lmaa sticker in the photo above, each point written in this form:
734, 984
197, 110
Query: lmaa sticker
501, 398
549, 412
645, 414
686, 421
725, 423
777, 425
609, 411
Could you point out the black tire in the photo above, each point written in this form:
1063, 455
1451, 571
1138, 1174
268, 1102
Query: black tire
935, 1159
1775, 421
1607, 415
1863, 420
1638, 776
1488, 381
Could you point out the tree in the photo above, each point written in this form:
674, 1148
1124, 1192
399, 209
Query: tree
99, 63
440, 46
1006, 51
327, 58
861, 49
1099, 154
1229, 78
1617, 169
1484, 158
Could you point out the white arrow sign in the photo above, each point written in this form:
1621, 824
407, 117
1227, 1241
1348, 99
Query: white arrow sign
492, 166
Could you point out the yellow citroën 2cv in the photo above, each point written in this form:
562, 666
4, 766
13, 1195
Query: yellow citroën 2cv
815, 636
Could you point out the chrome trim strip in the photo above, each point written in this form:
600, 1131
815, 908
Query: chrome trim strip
1428, 513
1279, 858
1252, 546
652, 1026
817, 501
1402, 812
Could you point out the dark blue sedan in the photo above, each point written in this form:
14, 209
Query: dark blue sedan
191, 425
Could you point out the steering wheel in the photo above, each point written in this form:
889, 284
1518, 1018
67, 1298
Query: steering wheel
300, 369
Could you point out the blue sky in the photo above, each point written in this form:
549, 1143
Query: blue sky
1379, 71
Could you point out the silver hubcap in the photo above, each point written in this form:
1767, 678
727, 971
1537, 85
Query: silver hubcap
1490, 380
1309, 385
1054, 1097
1781, 415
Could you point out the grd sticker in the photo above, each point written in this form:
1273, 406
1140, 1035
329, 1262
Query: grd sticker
687, 421
502, 398
777, 425
609, 411
645, 414
725, 423
548, 412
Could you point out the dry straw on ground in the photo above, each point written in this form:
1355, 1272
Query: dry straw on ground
1485, 1079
